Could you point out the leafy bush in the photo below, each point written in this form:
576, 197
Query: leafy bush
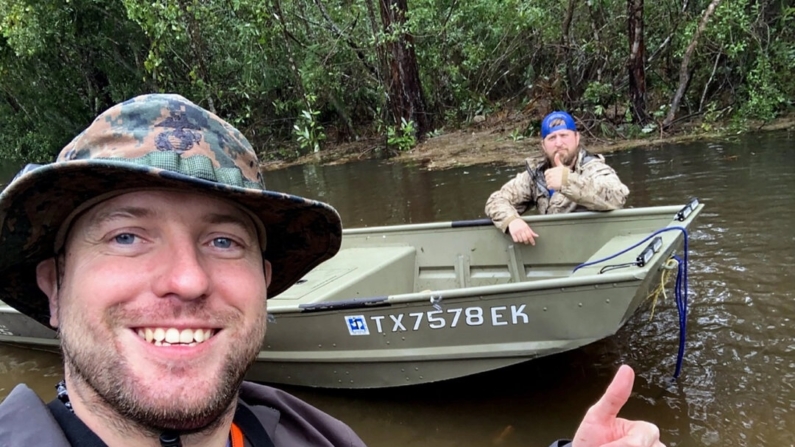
402, 138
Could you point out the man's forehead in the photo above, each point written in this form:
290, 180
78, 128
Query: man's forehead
562, 132
164, 203
161, 204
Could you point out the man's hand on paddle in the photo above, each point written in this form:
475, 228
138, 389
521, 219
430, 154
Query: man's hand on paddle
602, 427
521, 232
554, 175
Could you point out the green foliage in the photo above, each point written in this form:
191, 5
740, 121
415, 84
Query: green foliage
435, 133
254, 62
476, 51
764, 96
61, 64
648, 128
25, 145
631, 130
21, 27
516, 135
599, 94
307, 130
402, 138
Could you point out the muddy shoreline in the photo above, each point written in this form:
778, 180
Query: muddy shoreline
468, 147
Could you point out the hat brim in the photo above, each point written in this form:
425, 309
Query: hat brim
301, 233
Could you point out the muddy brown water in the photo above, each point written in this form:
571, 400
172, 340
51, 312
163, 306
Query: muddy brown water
737, 386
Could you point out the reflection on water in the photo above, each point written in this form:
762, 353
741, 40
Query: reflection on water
736, 387
40, 370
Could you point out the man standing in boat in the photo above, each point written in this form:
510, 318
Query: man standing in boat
151, 245
568, 178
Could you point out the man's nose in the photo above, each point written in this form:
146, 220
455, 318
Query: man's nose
183, 274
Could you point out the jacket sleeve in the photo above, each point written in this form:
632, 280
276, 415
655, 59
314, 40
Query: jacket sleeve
513, 199
289, 421
597, 187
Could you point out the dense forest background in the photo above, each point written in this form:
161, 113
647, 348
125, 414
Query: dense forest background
297, 76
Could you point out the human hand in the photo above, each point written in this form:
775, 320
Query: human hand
554, 175
601, 426
521, 232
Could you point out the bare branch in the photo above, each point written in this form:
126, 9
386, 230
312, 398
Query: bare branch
711, 76
666, 41
684, 73
340, 35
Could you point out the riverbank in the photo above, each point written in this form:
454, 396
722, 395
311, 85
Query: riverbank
497, 143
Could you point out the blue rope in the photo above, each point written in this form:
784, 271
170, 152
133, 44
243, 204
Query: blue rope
680, 289
599, 261
680, 296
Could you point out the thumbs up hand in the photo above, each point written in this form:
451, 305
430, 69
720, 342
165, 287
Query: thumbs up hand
602, 427
557, 175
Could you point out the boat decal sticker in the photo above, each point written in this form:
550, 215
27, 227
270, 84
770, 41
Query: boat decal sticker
438, 319
357, 325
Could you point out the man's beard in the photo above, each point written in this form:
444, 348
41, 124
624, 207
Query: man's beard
101, 370
565, 158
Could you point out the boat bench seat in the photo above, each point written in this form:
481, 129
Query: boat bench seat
355, 272
611, 247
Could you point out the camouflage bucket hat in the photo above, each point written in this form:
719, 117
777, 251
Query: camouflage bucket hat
153, 141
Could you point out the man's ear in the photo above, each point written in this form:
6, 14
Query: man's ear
47, 279
268, 271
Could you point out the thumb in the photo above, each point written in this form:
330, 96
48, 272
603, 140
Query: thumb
557, 161
616, 395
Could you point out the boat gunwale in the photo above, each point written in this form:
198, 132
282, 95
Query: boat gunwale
636, 275
479, 291
650, 211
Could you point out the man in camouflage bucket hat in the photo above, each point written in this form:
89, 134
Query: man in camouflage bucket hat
567, 178
149, 245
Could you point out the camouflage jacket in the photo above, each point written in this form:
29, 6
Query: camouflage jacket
593, 185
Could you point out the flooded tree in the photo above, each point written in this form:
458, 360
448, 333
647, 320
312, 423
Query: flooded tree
637, 59
684, 70
406, 99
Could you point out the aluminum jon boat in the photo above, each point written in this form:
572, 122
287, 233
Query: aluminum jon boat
410, 304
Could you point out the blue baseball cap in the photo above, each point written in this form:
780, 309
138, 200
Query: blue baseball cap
568, 123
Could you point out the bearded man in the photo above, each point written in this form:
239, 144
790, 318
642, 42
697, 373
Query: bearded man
567, 178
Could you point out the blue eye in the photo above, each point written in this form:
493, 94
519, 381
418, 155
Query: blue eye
222, 242
124, 239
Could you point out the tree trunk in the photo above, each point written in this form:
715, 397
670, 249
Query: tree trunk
565, 46
405, 90
601, 56
379, 50
684, 73
635, 64
299, 84
197, 48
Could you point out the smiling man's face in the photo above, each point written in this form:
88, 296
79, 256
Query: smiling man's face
161, 307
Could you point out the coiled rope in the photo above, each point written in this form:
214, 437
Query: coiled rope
680, 288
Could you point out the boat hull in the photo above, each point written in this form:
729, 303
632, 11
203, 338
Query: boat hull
416, 343
412, 304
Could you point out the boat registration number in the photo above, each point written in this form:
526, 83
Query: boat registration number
437, 319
